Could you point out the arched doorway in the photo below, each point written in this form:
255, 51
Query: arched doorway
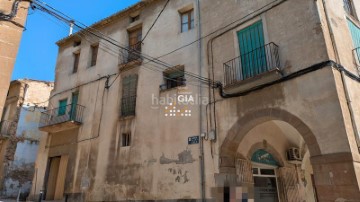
258, 148
264, 170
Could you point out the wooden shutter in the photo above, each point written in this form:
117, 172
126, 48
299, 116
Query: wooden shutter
60, 182
62, 107
252, 51
128, 103
289, 185
244, 172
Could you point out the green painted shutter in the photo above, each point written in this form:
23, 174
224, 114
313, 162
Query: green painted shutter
62, 107
74, 102
252, 51
355, 34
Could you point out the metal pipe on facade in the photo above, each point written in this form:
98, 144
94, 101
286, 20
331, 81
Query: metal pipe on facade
202, 157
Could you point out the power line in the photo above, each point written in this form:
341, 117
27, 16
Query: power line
60, 16
167, 2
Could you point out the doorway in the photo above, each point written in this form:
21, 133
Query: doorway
55, 182
265, 184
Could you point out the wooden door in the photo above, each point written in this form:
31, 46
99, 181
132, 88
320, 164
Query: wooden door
60, 181
52, 178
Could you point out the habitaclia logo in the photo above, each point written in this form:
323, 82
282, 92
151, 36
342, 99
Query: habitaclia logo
178, 105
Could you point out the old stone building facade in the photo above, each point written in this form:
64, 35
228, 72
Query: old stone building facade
220, 99
20, 136
13, 15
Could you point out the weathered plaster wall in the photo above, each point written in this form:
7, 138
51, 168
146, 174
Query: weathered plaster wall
153, 167
22, 147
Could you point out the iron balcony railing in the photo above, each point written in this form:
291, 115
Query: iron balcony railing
128, 105
251, 64
349, 8
72, 112
131, 53
7, 128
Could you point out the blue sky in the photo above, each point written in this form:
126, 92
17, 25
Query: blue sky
37, 54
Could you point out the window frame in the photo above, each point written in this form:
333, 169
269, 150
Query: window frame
125, 139
190, 14
349, 8
76, 64
93, 55
174, 81
61, 111
129, 95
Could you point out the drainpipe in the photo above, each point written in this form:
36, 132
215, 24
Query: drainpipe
202, 157
343, 79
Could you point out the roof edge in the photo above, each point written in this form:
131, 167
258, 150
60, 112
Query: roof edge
108, 19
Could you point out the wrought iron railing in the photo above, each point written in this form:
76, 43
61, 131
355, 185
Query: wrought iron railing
131, 53
63, 114
7, 128
251, 64
128, 105
349, 8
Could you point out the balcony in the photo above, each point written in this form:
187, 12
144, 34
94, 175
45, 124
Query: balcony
253, 68
7, 128
130, 57
62, 118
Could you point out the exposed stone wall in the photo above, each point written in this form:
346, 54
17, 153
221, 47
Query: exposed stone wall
21, 147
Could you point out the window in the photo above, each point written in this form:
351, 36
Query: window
128, 101
355, 35
76, 62
94, 53
252, 51
174, 77
349, 8
77, 43
187, 20
134, 18
125, 139
135, 38
62, 107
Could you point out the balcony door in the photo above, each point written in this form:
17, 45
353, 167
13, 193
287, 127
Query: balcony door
74, 102
252, 51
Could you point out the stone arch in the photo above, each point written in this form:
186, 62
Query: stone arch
228, 149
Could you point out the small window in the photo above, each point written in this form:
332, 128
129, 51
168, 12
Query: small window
134, 18
62, 107
76, 62
349, 8
187, 20
174, 77
77, 43
94, 54
125, 139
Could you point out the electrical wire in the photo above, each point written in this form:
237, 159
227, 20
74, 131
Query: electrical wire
115, 53
162, 10
55, 13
